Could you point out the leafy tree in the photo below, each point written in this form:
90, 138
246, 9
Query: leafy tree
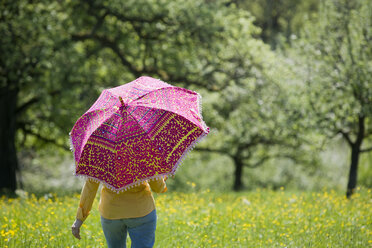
155, 38
24, 52
43, 81
257, 118
338, 64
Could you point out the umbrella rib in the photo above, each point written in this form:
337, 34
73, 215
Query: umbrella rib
106, 102
153, 116
169, 111
144, 114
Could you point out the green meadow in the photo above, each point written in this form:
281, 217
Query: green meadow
260, 218
286, 91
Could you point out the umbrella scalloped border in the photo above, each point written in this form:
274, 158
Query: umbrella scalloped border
199, 103
156, 177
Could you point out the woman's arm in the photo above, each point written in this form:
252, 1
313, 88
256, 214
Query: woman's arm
88, 193
87, 196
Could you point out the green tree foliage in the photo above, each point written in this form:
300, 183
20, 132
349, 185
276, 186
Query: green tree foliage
338, 64
25, 51
36, 64
257, 119
43, 80
278, 18
183, 42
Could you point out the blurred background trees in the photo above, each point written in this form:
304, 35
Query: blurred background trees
282, 81
279, 20
337, 61
28, 38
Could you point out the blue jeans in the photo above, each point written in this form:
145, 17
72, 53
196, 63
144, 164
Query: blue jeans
141, 231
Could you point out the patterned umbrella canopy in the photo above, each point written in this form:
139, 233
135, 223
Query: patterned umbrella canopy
136, 132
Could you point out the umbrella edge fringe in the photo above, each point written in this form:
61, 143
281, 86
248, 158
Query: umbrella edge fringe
200, 106
72, 148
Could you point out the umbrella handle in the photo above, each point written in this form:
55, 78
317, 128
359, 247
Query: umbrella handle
124, 109
121, 101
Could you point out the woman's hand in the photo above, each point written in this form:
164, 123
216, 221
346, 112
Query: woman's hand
75, 228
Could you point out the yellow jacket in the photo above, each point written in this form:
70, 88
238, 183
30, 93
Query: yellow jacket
135, 202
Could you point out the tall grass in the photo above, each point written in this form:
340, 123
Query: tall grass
261, 218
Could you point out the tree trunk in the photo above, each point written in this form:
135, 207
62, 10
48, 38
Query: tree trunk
8, 154
238, 183
355, 152
353, 173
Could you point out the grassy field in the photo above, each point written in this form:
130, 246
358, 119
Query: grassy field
260, 218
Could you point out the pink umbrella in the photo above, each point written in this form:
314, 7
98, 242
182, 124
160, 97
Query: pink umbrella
138, 131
